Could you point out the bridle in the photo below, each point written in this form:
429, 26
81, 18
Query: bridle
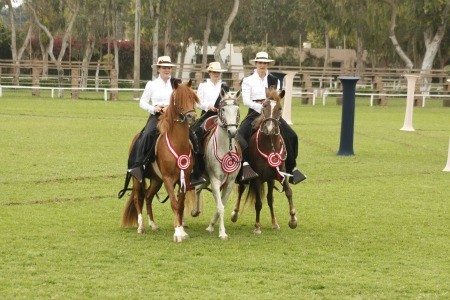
223, 103
180, 111
265, 120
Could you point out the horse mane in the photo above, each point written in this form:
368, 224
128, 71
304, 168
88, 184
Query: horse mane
181, 97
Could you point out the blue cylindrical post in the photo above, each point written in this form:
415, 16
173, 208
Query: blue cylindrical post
348, 114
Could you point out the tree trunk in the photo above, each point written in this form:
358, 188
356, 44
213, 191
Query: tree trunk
51, 41
183, 53
359, 55
168, 34
226, 32
393, 37
154, 13
116, 46
16, 54
206, 34
327, 48
432, 44
90, 43
137, 48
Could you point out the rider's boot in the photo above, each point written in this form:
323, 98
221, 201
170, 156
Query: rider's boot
196, 175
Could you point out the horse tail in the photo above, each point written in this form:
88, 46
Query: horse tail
255, 189
129, 215
190, 202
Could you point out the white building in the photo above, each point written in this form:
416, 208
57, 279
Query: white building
233, 60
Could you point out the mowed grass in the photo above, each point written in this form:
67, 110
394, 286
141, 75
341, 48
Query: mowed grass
372, 225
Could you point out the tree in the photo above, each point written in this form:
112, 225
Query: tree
430, 19
74, 7
226, 33
155, 7
137, 47
17, 53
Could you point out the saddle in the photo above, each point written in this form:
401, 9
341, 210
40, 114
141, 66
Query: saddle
208, 126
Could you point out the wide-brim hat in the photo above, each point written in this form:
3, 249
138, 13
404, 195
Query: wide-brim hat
164, 61
215, 67
263, 57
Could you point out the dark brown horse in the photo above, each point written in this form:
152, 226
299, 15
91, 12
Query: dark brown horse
173, 164
267, 155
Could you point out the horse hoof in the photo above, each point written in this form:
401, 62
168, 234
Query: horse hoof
223, 237
257, 231
276, 227
195, 213
210, 229
293, 225
155, 228
177, 239
234, 216
141, 230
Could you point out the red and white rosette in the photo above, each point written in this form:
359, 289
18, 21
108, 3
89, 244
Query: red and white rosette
183, 162
274, 160
230, 162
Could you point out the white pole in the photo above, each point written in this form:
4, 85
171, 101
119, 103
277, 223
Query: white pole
289, 83
407, 125
447, 167
1, 91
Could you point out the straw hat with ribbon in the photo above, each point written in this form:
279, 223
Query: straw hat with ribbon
215, 67
164, 61
263, 57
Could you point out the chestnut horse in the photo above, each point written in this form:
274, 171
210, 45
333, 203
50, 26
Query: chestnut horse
172, 166
222, 157
267, 156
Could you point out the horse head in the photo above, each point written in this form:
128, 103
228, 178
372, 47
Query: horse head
184, 99
269, 120
228, 113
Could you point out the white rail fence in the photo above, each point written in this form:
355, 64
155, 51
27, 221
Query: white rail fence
296, 93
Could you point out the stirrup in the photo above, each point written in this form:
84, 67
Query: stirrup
297, 177
196, 181
247, 172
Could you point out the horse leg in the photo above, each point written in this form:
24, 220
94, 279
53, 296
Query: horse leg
258, 205
177, 208
293, 219
196, 212
220, 209
270, 185
138, 204
225, 194
235, 213
155, 185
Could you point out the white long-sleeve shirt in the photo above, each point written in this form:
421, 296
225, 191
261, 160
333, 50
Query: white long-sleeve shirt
208, 92
254, 88
156, 91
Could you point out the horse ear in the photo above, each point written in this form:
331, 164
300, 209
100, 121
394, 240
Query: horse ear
282, 94
222, 93
189, 84
175, 84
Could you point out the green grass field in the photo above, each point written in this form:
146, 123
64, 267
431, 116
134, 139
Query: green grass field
371, 226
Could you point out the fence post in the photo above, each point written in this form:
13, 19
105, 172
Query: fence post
407, 125
348, 114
